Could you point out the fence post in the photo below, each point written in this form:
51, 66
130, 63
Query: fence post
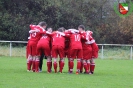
102, 52
10, 48
131, 53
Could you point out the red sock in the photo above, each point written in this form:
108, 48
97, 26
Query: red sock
48, 66
78, 65
37, 66
86, 67
55, 66
92, 67
71, 66
33, 66
61, 66
29, 63
81, 68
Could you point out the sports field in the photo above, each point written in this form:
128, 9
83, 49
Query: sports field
108, 74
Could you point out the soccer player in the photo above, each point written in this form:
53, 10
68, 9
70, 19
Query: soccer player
67, 51
43, 46
28, 50
95, 50
87, 49
75, 50
27, 46
42, 55
36, 34
67, 47
63, 29
58, 44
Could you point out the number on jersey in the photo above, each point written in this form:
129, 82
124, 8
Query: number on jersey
77, 37
58, 35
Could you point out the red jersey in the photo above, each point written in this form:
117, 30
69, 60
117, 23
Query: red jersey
95, 47
36, 35
75, 41
58, 40
88, 37
67, 40
32, 27
67, 43
45, 40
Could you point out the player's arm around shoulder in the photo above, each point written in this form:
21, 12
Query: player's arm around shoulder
73, 31
61, 33
90, 40
34, 30
83, 35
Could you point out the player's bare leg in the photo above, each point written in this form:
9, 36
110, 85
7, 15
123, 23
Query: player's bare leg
49, 64
55, 65
92, 65
85, 66
71, 65
78, 66
61, 64
37, 63
29, 63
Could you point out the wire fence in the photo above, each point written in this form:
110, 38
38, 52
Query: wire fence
106, 51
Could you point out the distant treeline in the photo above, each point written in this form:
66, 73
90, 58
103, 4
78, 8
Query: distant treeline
96, 15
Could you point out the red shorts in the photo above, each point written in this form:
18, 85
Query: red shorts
87, 54
57, 50
67, 53
95, 54
95, 50
76, 53
41, 48
32, 48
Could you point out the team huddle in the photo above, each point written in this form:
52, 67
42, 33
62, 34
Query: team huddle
72, 44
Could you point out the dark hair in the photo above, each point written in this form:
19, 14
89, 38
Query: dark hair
63, 29
42, 23
60, 29
81, 26
49, 28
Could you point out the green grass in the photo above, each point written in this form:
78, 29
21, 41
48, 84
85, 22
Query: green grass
108, 74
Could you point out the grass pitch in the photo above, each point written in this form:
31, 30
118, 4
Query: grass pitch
108, 74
